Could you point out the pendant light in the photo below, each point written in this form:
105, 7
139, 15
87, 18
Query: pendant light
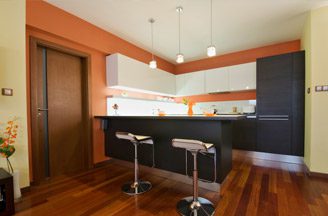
180, 57
152, 63
211, 50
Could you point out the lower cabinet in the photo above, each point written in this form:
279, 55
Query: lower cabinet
274, 136
266, 135
245, 134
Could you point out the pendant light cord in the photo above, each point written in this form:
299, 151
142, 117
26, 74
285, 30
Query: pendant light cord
152, 39
179, 32
211, 22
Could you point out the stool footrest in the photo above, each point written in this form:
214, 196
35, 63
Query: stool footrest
135, 188
200, 207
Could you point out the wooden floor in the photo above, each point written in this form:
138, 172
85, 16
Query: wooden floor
254, 187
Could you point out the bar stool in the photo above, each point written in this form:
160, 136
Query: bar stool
194, 205
211, 154
137, 186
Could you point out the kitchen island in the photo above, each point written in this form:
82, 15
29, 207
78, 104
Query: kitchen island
216, 130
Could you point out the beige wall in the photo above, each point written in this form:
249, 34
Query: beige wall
13, 75
306, 45
315, 42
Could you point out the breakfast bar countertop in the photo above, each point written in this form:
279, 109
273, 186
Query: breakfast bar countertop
179, 117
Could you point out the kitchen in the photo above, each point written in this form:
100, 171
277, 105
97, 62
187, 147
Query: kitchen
167, 108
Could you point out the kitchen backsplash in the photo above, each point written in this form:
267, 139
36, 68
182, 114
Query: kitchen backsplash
131, 106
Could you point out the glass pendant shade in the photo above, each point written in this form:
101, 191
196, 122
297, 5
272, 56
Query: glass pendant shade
180, 58
153, 64
211, 51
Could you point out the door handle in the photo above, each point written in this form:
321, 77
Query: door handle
41, 109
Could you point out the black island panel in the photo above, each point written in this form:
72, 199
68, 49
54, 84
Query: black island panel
163, 130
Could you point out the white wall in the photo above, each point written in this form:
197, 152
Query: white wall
13, 75
129, 106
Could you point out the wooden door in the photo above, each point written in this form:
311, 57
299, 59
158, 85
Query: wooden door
59, 113
65, 114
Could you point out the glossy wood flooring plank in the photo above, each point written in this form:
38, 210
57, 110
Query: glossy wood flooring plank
254, 187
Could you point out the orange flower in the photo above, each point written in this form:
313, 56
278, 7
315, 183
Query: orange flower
191, 103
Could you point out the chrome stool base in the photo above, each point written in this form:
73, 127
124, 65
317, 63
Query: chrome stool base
133, 188
187, 206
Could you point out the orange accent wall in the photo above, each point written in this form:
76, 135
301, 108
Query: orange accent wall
51, 19
231, 96
240, 57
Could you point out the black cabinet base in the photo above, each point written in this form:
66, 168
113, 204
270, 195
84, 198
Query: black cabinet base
217, 132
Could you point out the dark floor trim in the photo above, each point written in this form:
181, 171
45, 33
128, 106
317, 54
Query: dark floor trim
269, 156
103, 163
26, 189
315, 174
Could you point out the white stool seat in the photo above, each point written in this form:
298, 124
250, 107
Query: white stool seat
135, 138
192, 145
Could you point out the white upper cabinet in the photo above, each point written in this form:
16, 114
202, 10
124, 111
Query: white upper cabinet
232, 78
217, 80
129, 74
190, 83
242, 77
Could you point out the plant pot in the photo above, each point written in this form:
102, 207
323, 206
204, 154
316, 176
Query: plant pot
190, 111
17, 190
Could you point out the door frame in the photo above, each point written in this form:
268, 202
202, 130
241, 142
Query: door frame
37, 150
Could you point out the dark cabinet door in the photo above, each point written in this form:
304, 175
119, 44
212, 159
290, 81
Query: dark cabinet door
274, 135
274, 76
244, 134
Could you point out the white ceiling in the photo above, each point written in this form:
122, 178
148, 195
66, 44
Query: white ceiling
238, 24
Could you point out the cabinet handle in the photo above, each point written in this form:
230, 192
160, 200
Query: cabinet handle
273, 119
273, 116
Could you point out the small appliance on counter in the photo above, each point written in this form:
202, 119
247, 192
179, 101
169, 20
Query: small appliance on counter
250, 109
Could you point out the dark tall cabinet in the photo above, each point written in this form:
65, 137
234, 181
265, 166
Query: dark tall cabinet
280, 103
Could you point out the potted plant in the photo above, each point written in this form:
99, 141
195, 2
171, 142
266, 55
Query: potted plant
190, 104
8, 137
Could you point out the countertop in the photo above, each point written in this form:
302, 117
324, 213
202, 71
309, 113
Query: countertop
180, 117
